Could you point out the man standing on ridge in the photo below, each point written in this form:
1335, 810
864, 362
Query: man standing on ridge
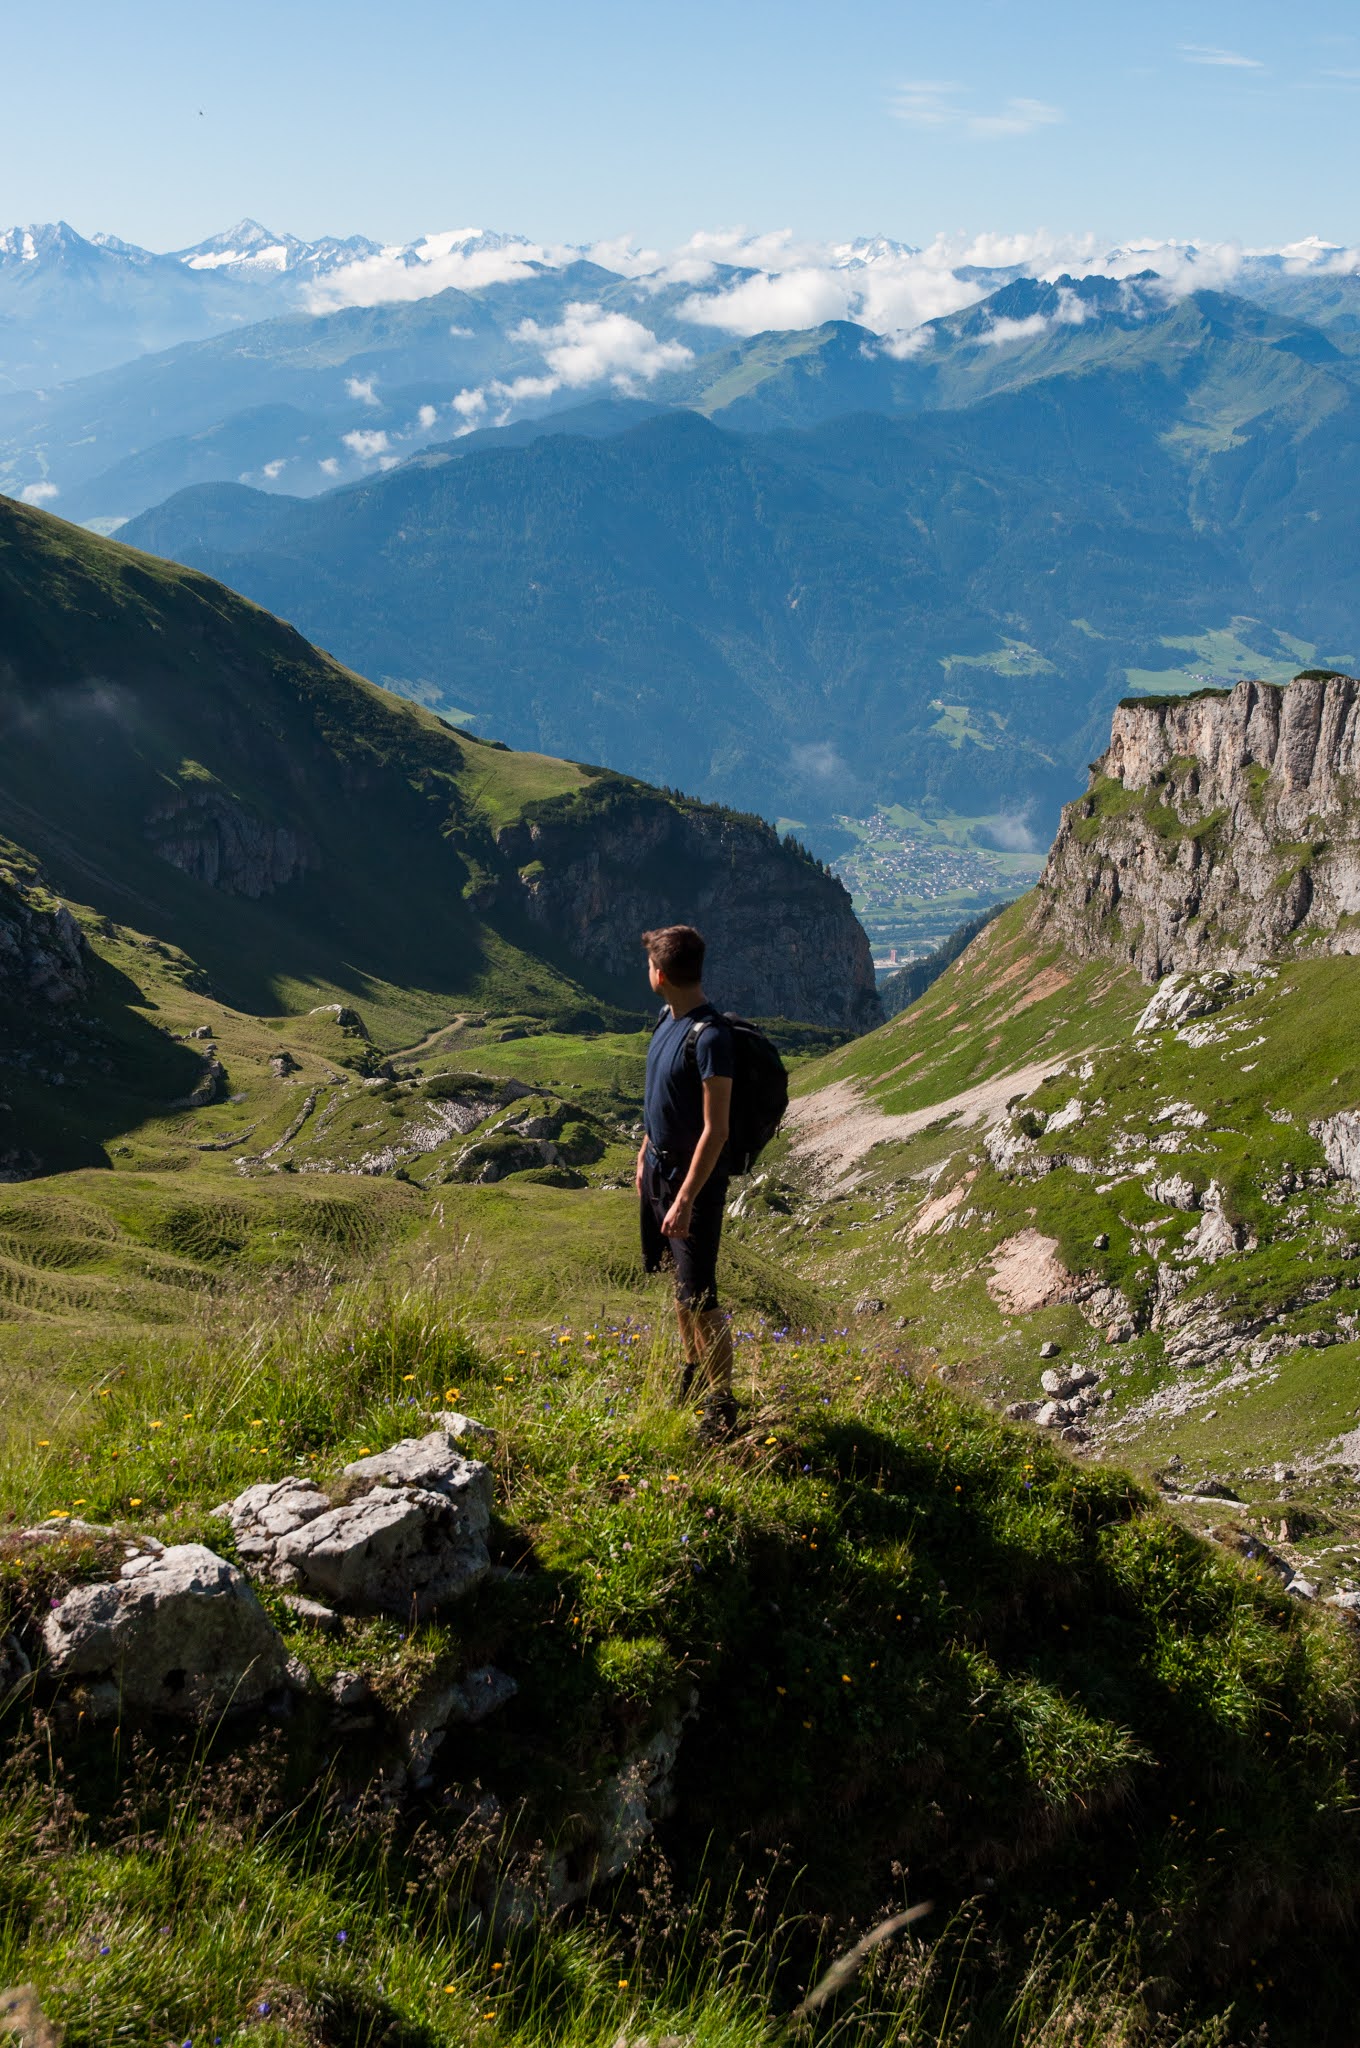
682, 1166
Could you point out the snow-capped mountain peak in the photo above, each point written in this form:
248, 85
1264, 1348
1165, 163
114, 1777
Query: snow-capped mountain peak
251, 250
869, 249
39, 240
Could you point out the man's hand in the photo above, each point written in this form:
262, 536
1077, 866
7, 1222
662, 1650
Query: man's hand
676, 1221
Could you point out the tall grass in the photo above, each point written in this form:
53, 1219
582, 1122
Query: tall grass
911, 1633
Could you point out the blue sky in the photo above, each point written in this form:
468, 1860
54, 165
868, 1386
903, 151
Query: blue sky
163, 122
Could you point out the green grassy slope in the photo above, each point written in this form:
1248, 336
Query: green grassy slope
1106, 1753
186, 765
1236, 1363
150, 716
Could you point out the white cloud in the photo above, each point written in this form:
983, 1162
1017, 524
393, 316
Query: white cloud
588, 346
330, 465
936, 105
789, 298
1002, 331
745, 282
817, 760
39, 494
427, 416
366, 442
1011, 832
1017, 117
464, 258
1209, 53
1070, 311
927, 104
623, 256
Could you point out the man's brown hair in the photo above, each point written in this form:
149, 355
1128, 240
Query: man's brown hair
677, 951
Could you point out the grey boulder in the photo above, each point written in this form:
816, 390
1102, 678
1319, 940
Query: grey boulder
435, 1464
264, 1513
1061, 1386
182, 1633
404, 1550
462, 1428
448, 1703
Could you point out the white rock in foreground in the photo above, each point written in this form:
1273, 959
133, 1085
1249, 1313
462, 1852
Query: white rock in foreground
182, 1633
1339, 1137
435, 1463
400, 1550
264, 1513
410, 1538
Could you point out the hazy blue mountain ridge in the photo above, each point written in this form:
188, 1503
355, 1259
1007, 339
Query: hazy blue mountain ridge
377, 384
360, 369
876, 609
72, 305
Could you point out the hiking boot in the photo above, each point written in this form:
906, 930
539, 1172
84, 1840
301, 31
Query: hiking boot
718, 1421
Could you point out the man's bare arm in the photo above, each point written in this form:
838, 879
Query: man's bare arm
707, 1153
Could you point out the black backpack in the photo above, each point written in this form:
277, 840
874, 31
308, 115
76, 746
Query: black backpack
760, 1089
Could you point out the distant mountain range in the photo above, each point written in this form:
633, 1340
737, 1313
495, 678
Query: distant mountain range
871, 609
131, 374
607, 504
70, 307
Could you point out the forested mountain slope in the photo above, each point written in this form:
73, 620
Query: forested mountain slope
870, 610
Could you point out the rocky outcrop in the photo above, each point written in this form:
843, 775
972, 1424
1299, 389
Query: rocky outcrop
182, 1633
1218, 830
43, 957
210, 836
783, 938
408, 1538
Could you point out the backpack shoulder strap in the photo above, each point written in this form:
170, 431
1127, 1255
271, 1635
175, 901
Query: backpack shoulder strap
708, 1024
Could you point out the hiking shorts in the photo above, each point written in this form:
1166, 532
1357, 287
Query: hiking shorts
694, 1258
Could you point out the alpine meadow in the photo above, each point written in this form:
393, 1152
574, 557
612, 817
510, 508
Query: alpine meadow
680, 1030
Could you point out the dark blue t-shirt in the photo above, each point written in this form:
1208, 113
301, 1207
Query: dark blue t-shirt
673, 1110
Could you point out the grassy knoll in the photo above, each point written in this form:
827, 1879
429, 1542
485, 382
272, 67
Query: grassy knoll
1112, 1757
1243, 1366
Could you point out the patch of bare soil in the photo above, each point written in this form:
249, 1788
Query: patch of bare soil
1027, 1273
832, 1130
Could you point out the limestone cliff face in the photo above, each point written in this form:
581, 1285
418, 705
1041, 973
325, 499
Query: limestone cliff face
782, 936
42, 948
216, 840
1218, 830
